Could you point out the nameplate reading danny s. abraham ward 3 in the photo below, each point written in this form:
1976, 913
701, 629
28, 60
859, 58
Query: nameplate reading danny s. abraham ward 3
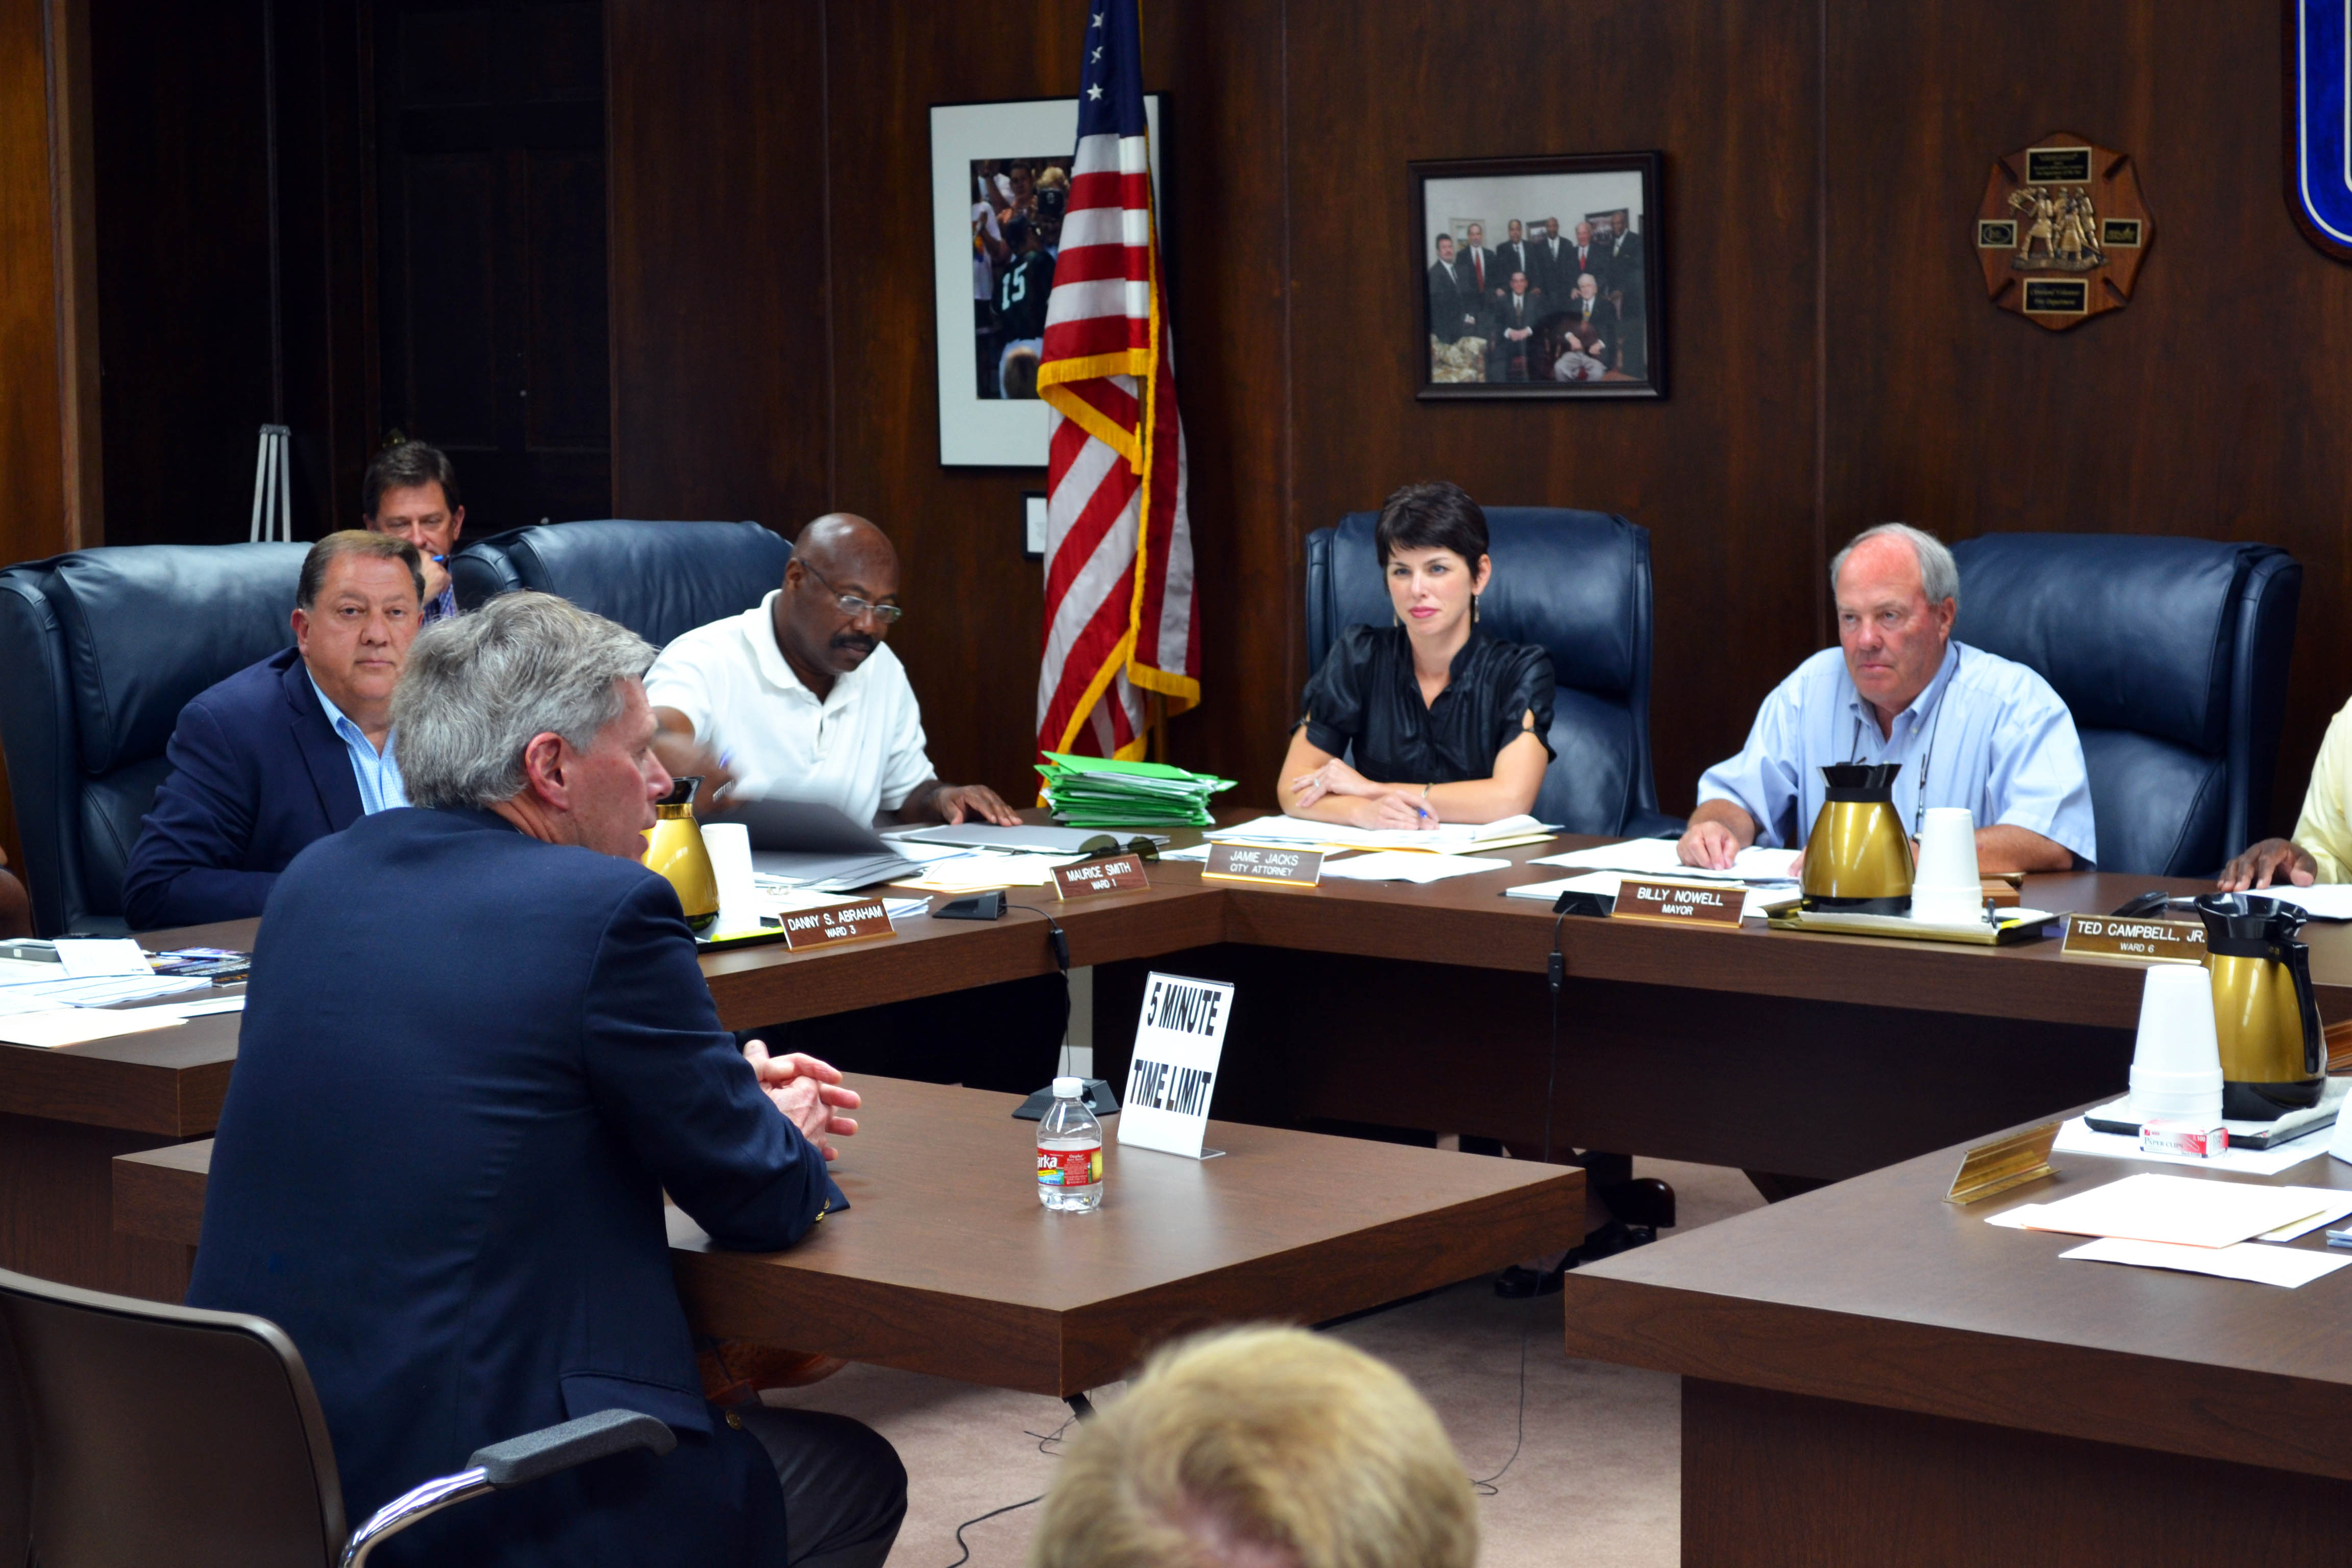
1260, 863
1680, 904
836, 923
2142, 941
1120, 873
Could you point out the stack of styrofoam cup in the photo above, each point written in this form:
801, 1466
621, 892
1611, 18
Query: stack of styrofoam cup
2176, 1068
728, 844
1947, 889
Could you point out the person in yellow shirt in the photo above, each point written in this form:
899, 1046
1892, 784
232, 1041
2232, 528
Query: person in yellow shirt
2320, 849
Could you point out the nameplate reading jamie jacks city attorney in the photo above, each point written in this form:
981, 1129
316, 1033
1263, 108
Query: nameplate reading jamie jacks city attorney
2141, 941
1255, 863
1169, 1079
1680, 904
836, 924
1121, 873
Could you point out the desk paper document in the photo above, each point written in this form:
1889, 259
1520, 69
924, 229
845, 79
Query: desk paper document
1399, 866
1661, 857
76, 1025
84, 956
2181, 1210
1606, 883
1445, 839
2289, 1268
2325, 902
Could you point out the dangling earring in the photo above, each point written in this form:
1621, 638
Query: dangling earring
1474, 609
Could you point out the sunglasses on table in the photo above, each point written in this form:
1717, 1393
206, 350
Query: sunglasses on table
1105, 844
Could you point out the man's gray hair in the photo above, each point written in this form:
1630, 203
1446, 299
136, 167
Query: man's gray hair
479, 687
1939, 574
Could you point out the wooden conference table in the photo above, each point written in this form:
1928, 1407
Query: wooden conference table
1815, 1057
945, 1262
1873, 1376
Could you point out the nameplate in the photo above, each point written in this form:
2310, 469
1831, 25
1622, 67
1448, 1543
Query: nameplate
2005, 1162
2142, 941
1121, 873
1679, 903
836, 923
1258, 863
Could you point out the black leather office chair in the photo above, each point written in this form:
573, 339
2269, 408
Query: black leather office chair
1579, 583
135, 1432
102, 648
658, 579
2172, 654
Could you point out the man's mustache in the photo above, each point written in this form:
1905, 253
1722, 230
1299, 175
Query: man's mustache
856, 640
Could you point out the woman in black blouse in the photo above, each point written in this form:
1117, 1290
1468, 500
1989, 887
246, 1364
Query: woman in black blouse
1446, 723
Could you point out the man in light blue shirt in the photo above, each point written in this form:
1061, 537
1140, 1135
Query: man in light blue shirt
378, 774
1969, 728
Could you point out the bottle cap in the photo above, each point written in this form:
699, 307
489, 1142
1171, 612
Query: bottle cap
1069, 1088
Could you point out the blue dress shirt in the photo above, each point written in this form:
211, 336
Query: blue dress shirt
1987, 734
381, 788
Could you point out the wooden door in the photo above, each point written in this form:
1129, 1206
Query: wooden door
492, 297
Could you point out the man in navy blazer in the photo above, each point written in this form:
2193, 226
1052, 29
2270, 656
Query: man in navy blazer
449, 1193
286, 750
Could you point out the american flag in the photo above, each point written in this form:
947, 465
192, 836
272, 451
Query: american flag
1119, 615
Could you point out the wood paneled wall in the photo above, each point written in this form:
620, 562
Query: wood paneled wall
1835, 360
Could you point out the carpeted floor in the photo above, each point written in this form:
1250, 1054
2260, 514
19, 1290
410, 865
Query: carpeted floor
1597, 1477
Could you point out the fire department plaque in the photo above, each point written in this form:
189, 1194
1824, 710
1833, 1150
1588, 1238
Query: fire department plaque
2062, 231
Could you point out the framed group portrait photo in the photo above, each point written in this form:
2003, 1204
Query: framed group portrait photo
1540, 277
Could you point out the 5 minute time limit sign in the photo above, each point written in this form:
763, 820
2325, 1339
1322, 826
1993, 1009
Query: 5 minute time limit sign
1177, 1042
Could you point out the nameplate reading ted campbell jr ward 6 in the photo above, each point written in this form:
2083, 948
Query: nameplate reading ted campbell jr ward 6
836, 923
1257, 863
1683, 903
1120, 873
2142, 941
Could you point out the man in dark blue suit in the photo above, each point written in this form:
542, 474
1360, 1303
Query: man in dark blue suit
286, 750
450, 1193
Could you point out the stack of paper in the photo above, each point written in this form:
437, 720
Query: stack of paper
1397, 866
1662, 857
1444, 837
1100, 792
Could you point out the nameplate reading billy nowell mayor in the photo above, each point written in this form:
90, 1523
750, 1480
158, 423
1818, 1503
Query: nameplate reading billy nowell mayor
1264, 864
2144, 940
1169, 1079
1680, 904
836, 923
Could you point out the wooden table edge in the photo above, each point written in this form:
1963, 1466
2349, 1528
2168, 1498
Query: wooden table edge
2195, 1408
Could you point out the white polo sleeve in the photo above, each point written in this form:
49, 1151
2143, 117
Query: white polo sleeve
905, 763
686, 676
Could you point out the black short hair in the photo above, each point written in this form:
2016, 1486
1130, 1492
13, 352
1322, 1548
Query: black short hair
1434, 516
401, 466
1016, 233
1445, 240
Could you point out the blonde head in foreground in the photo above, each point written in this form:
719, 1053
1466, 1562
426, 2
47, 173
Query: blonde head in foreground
1261, 1448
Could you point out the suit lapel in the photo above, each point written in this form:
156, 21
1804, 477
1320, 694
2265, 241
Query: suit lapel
322, 750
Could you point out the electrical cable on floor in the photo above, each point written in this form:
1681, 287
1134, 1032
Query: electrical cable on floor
1052, 1437
1485, 1486
1554, 971
965, 1546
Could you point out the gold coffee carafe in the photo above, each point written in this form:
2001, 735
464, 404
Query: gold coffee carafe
1858, 857
674, 848
2273, 1057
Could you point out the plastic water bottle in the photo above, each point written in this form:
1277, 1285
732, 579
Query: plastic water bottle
1069, 1152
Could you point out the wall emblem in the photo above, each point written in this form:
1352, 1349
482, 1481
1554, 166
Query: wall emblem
2062, 230
2319, 136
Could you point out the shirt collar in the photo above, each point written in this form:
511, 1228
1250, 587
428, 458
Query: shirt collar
1921, 705
341, 723
759, 627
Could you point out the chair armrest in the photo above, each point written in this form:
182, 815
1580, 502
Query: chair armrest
526, 1459
513, 1463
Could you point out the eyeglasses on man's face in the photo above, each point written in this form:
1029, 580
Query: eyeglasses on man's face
855, 607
